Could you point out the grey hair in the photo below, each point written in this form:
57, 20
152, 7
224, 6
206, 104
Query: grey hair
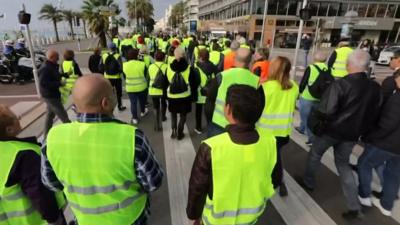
235, 45
359, 59
179, 53
320, 56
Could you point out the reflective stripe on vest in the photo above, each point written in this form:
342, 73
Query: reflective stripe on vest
185, 75
135, 78
110, 76
153, 71
15, 207
339, 67
313, 77
279, 107
97, 196
242, 172
229, 78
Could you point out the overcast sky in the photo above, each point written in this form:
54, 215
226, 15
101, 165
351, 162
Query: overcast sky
11, 8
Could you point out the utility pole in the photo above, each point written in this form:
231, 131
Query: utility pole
296, 54
263, 24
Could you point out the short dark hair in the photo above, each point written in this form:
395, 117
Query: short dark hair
69, 55
245, 103
159, 56
204, 54
132, 54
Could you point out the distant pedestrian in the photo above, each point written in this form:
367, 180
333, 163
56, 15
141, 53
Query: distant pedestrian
21, 187
307, 100
230, 181
337, 60
261, 64
70, 72
307, 44
229, 58
49, 84
348, 110
389, 84
94, 61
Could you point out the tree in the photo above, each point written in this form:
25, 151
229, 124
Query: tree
97, 21
140, 10
51, 13
80, 16
176, 18
69, 16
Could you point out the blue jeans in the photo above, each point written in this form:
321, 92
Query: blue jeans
342, 152
306, 58
305, 110
214, 130
134, 97
372, 158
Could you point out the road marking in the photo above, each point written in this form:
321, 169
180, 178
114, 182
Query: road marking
18, 96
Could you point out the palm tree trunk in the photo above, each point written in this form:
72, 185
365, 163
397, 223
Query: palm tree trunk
84, 28
103, 39
56, 30
71, 28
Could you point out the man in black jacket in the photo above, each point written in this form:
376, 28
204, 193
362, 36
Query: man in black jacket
49, 85
383, 148
389, 85
348, 110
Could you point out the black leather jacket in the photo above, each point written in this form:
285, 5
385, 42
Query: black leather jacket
348, 109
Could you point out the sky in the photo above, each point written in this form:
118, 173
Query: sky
11, 8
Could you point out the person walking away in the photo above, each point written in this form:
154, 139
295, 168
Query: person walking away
71, 71
389, 84
217, 89
181, 85
157, 88
49, 87
21, 188
125, 45
337, 60
170, 57
145, 57
307, 101
307, 44
261, 64
382, 149
112, 64
98, 145
136, 84
201, 45
280, 94
346, 112
227, 48
117, 42
206, 71
229, 59
224, 163
216, 57
95, 61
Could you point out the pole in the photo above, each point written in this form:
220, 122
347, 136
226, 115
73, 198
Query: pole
33, 57
296, 53
316, 36
263, 25
397, 36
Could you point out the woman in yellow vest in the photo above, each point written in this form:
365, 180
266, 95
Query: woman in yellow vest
158, 95
136, 84
231, 174
280, 94
24, 200
70, 72
181, 90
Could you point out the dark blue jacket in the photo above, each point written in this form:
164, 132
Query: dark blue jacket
50, 80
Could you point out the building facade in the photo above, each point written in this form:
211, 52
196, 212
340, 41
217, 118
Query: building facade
190, 15
378, 20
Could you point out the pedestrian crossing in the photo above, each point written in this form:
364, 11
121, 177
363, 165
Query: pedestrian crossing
321, 207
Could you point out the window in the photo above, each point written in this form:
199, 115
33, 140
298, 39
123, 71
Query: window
343, 9
362, 10
333, 9
283, 7
259, 22
323, 9
272, 7
313, 8
280, 23
372, 10
391, 11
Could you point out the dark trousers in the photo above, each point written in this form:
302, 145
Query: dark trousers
117, 85
160, 109
199, 116
54, 108
277, 173
174, 122
136, 97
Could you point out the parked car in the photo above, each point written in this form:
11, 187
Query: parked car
386, 54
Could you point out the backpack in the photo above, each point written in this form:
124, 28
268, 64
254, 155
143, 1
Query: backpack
178, 84
112, 66
323, 81
160, 80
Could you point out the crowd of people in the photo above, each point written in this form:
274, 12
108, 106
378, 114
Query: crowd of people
105, 169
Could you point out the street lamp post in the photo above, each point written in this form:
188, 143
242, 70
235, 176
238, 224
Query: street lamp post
263, 24
296, 54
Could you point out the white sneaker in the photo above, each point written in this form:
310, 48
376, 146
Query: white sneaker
365, 201
134, 121
377, 204
198, 131
146, 110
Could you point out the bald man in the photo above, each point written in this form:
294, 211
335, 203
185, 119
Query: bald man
103, 162
20, 175
216, 90
49, 86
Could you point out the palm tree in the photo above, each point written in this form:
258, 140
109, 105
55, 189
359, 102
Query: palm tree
81, 17
50, 12
140, 10
69, 16
98, 22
